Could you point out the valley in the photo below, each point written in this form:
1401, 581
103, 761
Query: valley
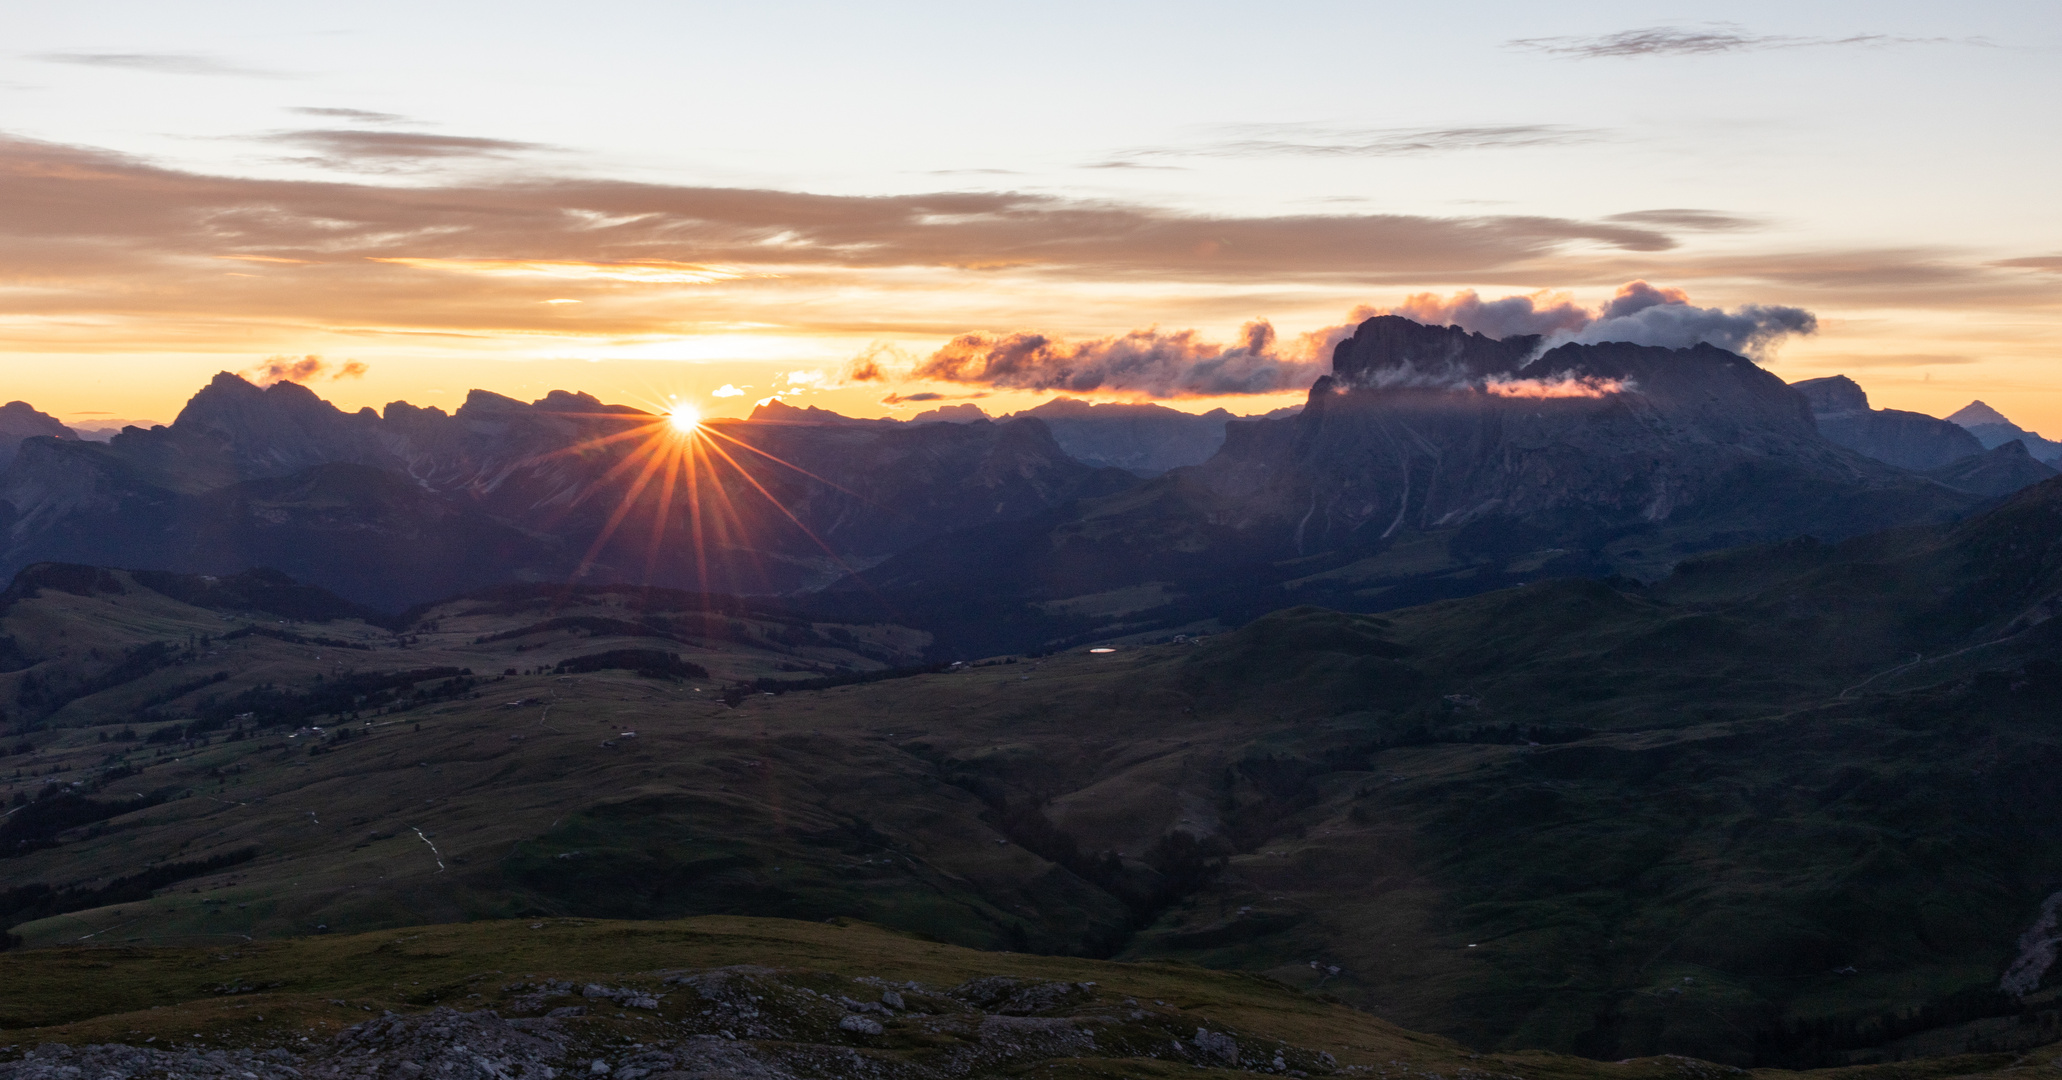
1596, 817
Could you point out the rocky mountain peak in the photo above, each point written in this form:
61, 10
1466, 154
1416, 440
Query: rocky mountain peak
21, 420
965, 412
779, 411
277, 429
1976, 412
1833, 395
1393, 345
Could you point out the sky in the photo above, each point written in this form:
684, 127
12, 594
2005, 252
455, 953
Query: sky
878, 208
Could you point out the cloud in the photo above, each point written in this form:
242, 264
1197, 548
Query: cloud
1304, 140
1646, 315
381, 151
1684, 218
301, 369
1708, 39
1538, 313
1640, 313
82, 204
726, 390
162, 63
160, 258
897, 399
1561, 386
355, 116
1164, 365
2050, 263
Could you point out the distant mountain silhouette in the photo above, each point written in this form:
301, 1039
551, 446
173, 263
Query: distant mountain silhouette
1141, 438
1907, 439
395, 508
1431, 462
19, 420
1992, 430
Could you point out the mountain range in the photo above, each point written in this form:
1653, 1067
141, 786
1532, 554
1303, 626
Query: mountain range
1431, 462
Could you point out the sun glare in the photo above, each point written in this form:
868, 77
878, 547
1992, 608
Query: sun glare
684, 419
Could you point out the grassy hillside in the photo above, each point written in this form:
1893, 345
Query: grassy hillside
1791, 806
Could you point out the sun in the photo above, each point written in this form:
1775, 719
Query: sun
684, 419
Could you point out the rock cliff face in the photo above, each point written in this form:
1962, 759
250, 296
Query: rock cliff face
1908, 440
397, 508
1420, 428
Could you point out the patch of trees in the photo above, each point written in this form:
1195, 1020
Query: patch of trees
174, 693
12, 658
594, 625
36, 825
261, 589
1824, 1042
766, 684
46, 695
650, 663
27, 903
268, 704
64, 577
273, 632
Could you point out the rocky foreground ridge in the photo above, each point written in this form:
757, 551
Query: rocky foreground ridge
736, 1023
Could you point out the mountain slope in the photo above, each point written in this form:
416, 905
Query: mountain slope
1791, 805
1906, 439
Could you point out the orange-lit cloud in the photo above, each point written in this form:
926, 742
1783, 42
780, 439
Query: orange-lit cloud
643, 272
1177, 364
1583, 386
301, 369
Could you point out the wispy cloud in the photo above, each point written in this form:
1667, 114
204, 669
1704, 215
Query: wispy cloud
1685, 218
383, 151
1310, 140
2050, 263
1707, 39
354, 116
81, 199
141, 252
161, 63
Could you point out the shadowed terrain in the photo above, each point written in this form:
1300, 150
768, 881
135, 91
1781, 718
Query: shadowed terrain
1792, 805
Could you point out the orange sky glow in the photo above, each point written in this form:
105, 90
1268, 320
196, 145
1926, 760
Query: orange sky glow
570, 207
